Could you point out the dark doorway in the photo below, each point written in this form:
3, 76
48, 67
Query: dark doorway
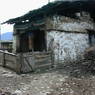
32, 39
91, 37
39, 40
24, 43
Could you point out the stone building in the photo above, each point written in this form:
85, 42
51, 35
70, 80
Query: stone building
70, 26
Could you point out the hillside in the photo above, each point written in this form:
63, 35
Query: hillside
7, 36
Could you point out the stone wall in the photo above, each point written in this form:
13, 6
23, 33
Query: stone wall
68, 46
68, 24
70, 36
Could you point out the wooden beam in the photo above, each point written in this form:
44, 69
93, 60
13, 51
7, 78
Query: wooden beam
30, 37
84, 32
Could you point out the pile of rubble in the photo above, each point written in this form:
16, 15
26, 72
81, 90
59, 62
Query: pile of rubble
6, 92
75, 86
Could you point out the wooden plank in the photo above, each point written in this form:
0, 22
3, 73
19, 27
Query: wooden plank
8, 60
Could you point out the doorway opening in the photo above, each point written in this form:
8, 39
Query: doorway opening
39, 41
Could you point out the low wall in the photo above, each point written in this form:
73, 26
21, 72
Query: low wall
25, 62
14, 62
36, 60
9, 60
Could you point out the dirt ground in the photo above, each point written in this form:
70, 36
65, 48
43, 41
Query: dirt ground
69, 79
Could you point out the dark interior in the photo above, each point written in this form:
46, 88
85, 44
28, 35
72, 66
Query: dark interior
24, 43
39, 41
91, 37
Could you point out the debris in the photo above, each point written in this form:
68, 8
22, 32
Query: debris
18, 92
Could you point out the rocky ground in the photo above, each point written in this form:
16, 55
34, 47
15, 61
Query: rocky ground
69, 79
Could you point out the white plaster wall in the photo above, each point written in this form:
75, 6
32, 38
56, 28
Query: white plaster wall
76, 26
69, 24
68, 46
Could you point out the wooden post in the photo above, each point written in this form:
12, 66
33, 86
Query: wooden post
30, 42
4, 61
17, 43
19, 63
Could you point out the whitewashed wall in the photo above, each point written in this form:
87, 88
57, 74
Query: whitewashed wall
70, 24
68, 46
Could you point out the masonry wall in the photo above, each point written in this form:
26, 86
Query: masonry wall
70, 36
68, 46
